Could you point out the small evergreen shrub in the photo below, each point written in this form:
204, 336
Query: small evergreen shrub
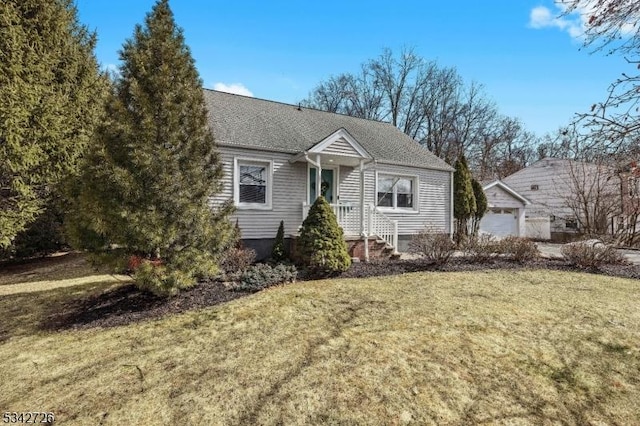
591, 254
262, 275
322, 248
278, 253
433, 246
518, 249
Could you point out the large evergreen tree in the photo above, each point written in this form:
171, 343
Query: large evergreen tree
146, 189
50, 90
464, 202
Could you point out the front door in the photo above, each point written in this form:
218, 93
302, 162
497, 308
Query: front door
327, 185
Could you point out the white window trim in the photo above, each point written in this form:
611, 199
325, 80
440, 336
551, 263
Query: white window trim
416, 194
336, 181
236, 183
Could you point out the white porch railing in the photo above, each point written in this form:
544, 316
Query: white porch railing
348, 216
376, 223
382, 227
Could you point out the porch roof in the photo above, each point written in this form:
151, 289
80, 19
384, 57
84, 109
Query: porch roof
272, 126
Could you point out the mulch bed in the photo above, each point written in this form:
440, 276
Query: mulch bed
126, 304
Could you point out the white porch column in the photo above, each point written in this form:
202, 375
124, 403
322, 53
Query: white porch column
363, 225
318, 177
522, 228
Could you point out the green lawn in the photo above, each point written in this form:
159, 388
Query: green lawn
527, 347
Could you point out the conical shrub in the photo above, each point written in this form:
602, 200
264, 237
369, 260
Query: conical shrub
322, 248
278, 252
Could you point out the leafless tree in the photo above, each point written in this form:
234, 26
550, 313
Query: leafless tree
627, 225
613, 27
594, 196
504, 148
432, 105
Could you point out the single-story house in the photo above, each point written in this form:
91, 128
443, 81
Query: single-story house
506, 211
278, 158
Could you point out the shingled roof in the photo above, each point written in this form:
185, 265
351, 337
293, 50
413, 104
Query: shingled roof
260, 124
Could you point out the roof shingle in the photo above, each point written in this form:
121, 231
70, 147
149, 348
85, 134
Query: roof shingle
257, 123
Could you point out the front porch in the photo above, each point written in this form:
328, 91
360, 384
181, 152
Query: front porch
336, 170
363, 224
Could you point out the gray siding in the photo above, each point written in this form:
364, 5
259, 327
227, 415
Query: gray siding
349, 184
341, 147
498, 197
289, 191
556, 185
553, 187
434, 199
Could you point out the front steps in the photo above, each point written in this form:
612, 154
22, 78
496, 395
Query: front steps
378, 249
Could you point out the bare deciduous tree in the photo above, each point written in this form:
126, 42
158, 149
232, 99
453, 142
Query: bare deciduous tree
433, 106
594, 196
613, 26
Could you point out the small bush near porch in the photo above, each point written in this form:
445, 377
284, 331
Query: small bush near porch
321, 245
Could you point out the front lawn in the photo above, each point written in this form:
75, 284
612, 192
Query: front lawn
502, 347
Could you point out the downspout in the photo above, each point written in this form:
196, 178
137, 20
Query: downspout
451, 213
363, 227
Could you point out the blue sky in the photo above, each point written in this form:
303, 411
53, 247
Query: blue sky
528, 58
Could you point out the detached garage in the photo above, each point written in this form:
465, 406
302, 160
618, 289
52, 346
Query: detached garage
505, 215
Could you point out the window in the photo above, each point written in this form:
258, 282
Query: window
534, 187
252, 184
571, 224
634, 186
396, 192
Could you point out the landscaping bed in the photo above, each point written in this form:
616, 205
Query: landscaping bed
126, 304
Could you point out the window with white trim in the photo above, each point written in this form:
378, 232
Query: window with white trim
396, 192
252, 183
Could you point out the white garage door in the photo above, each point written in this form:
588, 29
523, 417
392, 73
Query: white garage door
500, 222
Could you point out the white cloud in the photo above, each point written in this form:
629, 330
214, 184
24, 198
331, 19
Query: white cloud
237, 88
543, 17
574, 23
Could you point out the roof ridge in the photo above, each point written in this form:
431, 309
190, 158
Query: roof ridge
298, 106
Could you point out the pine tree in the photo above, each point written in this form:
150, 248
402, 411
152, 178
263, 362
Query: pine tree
146, 188
50, 91
464, 203
321, 244
481, 205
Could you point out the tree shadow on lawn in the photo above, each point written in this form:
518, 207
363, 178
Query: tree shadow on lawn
126, 304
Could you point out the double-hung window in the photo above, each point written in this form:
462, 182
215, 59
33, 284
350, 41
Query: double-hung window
397, 192
252, 184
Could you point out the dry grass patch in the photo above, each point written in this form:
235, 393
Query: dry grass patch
525, 347
54, 268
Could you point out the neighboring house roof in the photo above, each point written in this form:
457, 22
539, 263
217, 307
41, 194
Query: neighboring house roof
267, 125
507, 189
551, 184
